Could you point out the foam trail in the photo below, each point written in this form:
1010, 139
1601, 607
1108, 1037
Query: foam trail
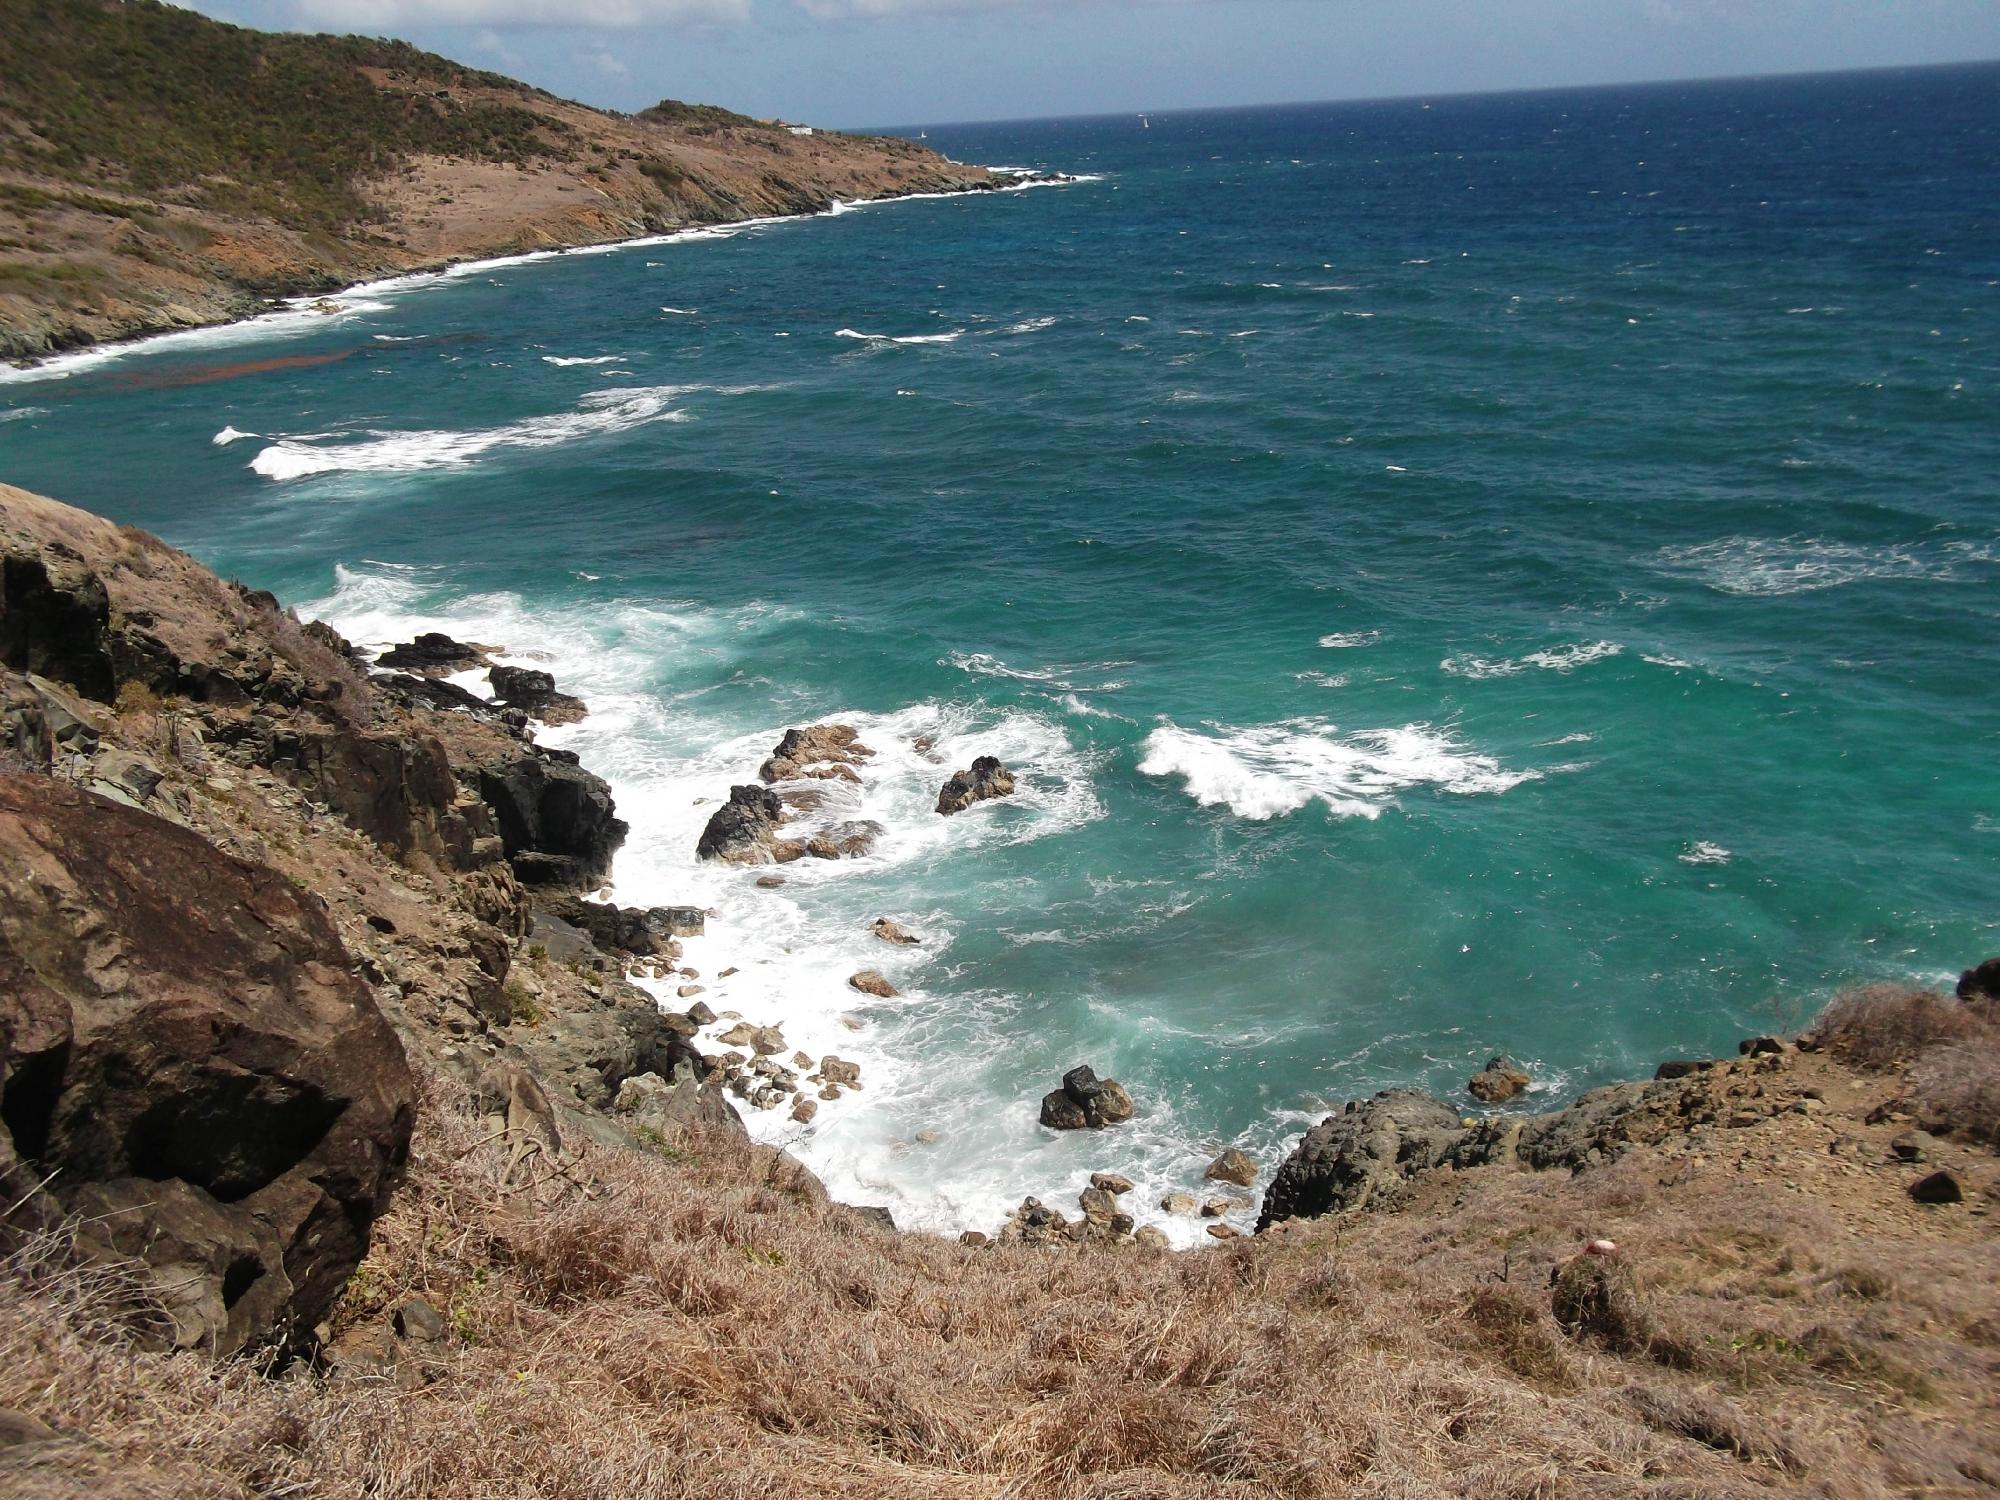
597, 414
567, 360
1268, 771
914, 338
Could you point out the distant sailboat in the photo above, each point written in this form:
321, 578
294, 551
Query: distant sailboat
1144, 123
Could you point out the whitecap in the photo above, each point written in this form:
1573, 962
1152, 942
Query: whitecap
16, 413
1767, 567
680, 312
1348, 640
1702, 852
1565, 658
229, 435
1031, 325
912, 338
582, 359
597, 414
1268, 771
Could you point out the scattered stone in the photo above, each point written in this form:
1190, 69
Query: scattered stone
1940, 1187
871, 982
1500, 1080
973, 1239
1224, 1232
1216, 1208
830, 1093
838, 1072
803, 1109
1232, 1166
1178, 1203
802, 1061
689, 991
890, 931
770, 882
738, 1035
1111, 1182
928, 1137
700, 1014
1684, 1068
1914, 1145
417, 1319
732, 969
1151, 1238
987, 779
1761, 1046
1098, 1206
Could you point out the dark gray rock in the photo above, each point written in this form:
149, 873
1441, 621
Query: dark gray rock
743, 830
986, 779
1348, 1159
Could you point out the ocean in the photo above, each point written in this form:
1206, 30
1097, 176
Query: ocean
1452, 576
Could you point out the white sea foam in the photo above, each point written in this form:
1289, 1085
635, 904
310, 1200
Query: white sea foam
680, 312
598, 413
566, 360
912, 338
1067, 675
1702, 852
922, 1063
1348, 640
1031, 325
1566, 658
1773, 566
229, 435
1267, 771
17, 413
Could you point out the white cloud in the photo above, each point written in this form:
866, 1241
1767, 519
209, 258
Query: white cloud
387, 15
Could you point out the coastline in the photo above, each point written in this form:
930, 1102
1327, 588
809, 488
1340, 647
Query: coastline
307, 308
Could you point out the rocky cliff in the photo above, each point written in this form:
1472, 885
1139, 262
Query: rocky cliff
155, 174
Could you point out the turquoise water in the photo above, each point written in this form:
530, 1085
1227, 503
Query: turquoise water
1511, 573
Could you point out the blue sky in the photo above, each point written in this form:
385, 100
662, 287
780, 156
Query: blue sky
890, 62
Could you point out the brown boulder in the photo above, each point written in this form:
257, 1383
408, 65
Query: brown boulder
987, 779
184, 1044
1232, 1166
871, 982
831, 748
1086, 1102
891, 931
1500, 1080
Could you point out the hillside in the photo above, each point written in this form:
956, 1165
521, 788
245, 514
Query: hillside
341, 1158
159, 169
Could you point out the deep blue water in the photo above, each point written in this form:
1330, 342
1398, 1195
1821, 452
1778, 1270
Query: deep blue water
1487, 573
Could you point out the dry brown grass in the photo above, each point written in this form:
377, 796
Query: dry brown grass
692, 1327
1886, 1025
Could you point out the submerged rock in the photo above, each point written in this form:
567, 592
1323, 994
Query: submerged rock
890, 931
987, 779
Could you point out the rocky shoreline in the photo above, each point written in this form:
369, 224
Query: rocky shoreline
421, 862
318, 1056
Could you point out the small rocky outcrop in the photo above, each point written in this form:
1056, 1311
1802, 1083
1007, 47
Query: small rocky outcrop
533, 692
434, 692
1232, 1166
1086, 1102
825, 752
1349, 1158
891, 931
986, 779
1500, 1080
872, 982
558, 825
643, 932
434, 652
188, 1058
744, 829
